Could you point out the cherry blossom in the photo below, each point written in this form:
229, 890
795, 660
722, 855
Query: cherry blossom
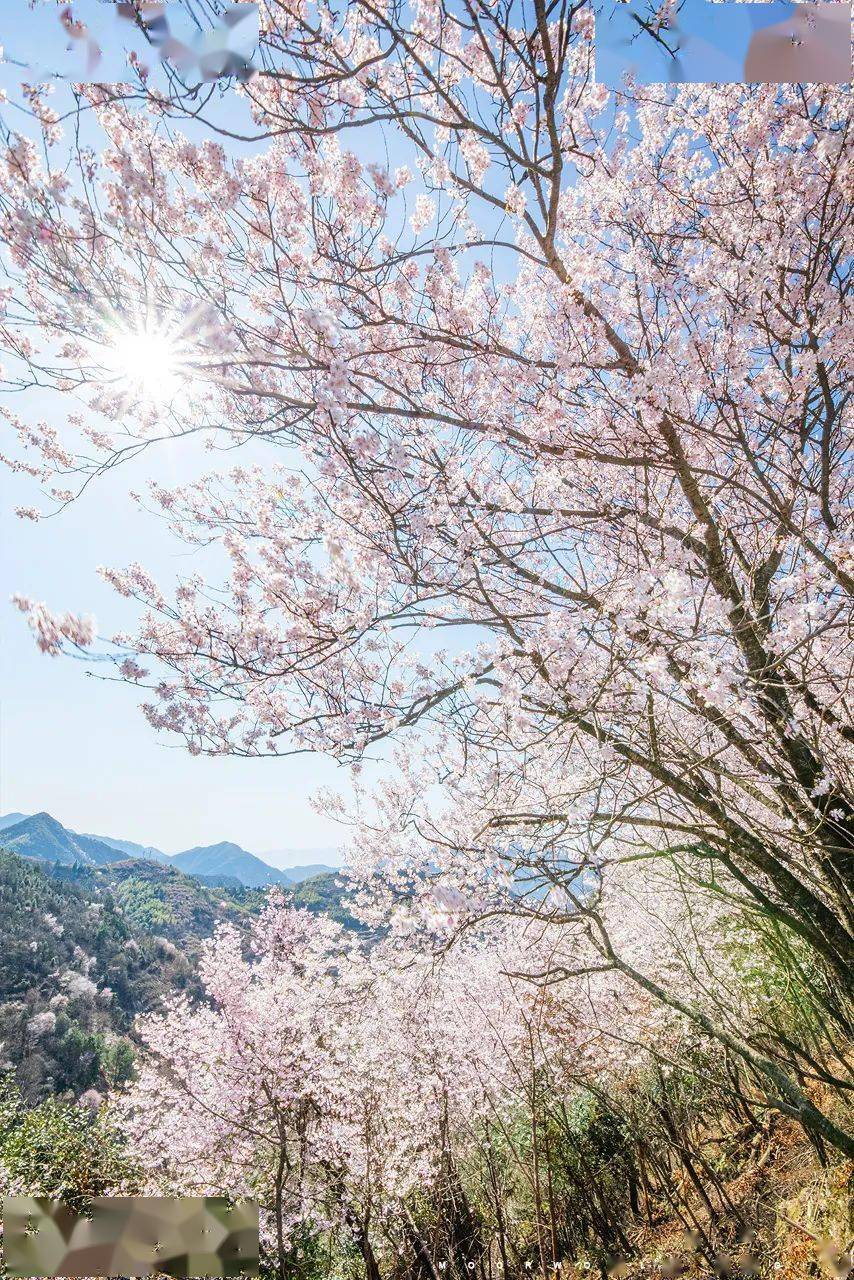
554, 491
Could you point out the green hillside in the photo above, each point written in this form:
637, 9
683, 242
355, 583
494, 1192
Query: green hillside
85, 949
158, 898
324, 894
75, 972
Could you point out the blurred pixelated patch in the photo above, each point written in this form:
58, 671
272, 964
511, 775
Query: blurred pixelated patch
98, 42
130, 1236
722, 42
740, 1262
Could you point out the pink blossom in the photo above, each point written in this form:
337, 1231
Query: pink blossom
423, 214
51, 629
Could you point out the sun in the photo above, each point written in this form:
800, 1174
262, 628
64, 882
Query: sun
148, 361
158, 358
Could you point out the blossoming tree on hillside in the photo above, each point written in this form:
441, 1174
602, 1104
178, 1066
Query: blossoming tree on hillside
563, 500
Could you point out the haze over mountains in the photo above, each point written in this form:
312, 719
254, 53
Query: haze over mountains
40, 835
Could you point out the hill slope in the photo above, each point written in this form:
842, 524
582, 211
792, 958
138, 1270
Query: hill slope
163, 900
75, 973
325, 894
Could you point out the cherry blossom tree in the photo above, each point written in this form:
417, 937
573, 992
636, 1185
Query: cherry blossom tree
560, 383
429, 1119
325, 1079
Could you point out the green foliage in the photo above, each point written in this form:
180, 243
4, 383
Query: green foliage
308, 1258
324, 894
585, 1171
78, 1057
117, 1063
151, 897
57, 1149
144, 904
781, 977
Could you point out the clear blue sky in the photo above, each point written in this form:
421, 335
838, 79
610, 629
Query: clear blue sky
77, 746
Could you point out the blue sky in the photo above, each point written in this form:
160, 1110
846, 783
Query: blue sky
77, 746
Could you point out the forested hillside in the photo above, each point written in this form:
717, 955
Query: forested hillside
76, 969
163, 900
326, 895
85, 950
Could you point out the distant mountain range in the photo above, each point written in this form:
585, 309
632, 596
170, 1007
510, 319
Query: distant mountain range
229, 859
41, 836
128, 847
291, 859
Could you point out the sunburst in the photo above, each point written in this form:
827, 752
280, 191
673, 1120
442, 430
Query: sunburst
151, 360
147, 363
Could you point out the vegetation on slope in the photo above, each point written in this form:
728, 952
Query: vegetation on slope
75, 973
325, 895
86, 949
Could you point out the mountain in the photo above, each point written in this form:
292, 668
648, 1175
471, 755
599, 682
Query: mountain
226, 864
41, 836
133, 850
10, 819
227, 859
293, 860
296, 875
